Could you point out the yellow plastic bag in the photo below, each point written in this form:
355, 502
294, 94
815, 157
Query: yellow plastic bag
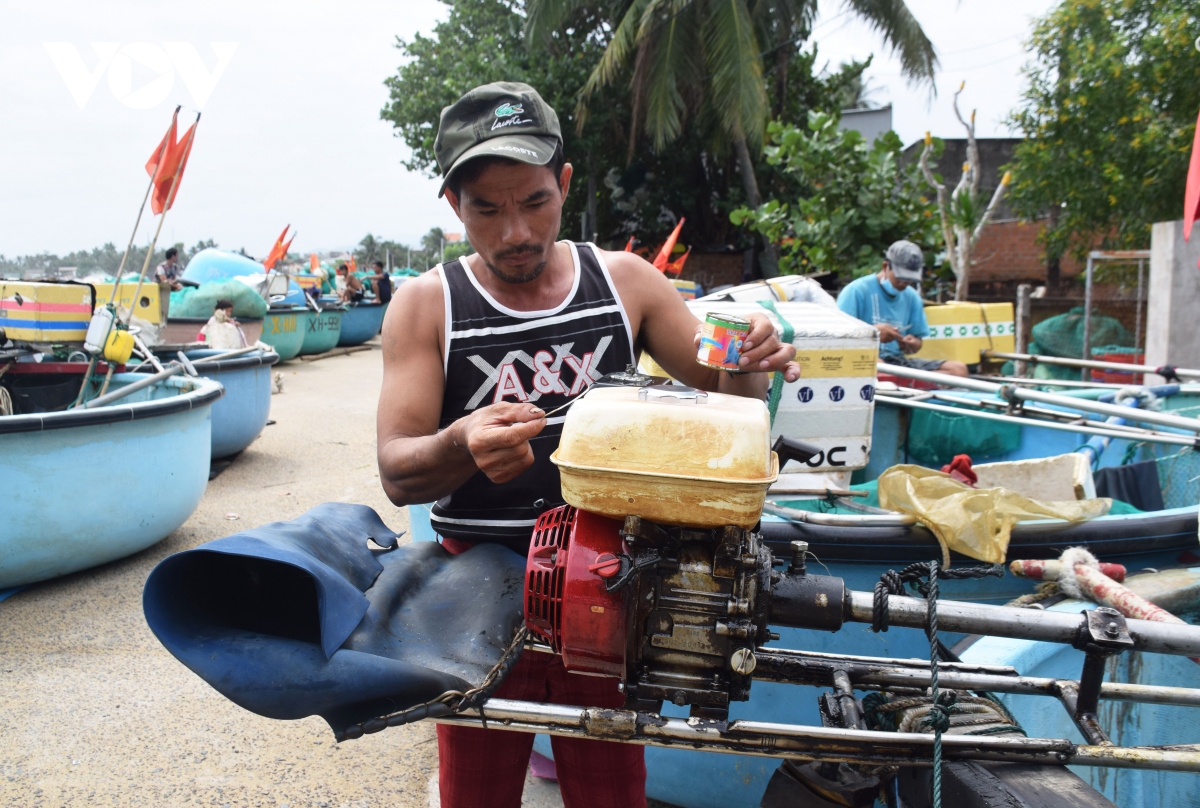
976, 522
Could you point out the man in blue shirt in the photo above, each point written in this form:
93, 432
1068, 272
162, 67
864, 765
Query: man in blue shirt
889, 301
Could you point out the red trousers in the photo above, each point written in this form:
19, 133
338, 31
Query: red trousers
485, 768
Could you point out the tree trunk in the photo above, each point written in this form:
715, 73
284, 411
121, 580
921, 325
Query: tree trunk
963, 288
769, 260
1053, 262
590, 225
781, 83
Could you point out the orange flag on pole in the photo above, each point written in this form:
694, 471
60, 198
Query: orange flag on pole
353, 265
314, 264
163, 148
277, 251
166, 167
664, 255
1191, 198
629, 245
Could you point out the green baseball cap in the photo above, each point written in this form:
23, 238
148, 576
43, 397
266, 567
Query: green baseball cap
503, 119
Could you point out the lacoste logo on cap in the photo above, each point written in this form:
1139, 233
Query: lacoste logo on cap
518, 149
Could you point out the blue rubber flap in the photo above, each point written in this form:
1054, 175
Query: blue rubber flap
304, 618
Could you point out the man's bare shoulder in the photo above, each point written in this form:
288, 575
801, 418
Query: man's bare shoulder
417, 310
627, 265
635, 277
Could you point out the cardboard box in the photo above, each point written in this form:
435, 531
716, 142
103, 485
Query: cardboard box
959, 331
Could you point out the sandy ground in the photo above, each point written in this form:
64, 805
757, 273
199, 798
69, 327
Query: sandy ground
96, 712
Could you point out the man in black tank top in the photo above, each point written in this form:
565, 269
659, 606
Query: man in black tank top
476, 353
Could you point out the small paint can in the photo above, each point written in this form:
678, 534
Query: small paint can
721, 339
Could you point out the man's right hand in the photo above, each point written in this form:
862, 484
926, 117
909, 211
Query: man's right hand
887, 333
497, 437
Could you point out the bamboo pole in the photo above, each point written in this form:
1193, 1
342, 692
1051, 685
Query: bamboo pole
170, 201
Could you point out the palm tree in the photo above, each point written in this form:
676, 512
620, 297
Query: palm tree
368, 247
704, 60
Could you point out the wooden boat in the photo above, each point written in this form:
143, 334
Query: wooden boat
360, 322
284, 330
68, 474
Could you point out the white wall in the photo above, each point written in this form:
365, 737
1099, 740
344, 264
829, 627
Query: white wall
1173, 312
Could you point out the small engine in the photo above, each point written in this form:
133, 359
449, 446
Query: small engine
675, 613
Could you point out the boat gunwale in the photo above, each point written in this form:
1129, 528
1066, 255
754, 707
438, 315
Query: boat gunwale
1168, 530
203, 366
206, 392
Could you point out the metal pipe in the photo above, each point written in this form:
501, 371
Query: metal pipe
1087, 314
1095, 364
872, 673
1022, 624
133, 387
1052, 383
1148, 437
839, 519
1012, 392
799, 742
1137, 308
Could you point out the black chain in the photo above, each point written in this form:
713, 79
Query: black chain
450, 702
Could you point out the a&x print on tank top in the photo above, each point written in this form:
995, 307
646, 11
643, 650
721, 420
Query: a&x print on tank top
545, 358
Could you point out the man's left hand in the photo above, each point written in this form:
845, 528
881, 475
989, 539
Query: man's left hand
762, 351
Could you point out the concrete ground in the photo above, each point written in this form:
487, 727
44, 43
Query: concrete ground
96, 712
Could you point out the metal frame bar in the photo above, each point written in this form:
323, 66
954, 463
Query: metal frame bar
1105, 432
1018, 394
1096, 364
831, 744
1113, 256
872, 673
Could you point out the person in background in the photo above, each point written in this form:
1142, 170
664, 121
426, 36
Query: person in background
167, 276
889, 300
221, 330
349, 288
381, 282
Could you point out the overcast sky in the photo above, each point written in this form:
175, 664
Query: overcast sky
291, 94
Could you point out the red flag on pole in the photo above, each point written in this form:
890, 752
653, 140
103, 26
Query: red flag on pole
676, 267
277, 251
664, 255
163, 148
1191, 198
171, 164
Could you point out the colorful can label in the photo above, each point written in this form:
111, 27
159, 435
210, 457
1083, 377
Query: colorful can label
721, 341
